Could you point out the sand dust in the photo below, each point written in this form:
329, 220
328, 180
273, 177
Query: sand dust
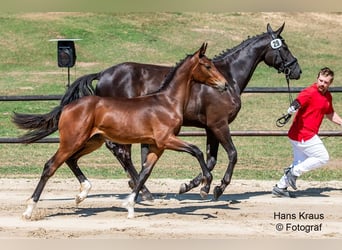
246, 210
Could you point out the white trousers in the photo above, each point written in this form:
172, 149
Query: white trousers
307, 155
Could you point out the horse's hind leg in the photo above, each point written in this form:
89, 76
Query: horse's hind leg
123, 154
50, 168
85, 184
94, 143
70, 143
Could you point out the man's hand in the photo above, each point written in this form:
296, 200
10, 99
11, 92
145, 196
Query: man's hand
291, 110
295, 105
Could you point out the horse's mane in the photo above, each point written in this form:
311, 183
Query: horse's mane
241, 46
170, 75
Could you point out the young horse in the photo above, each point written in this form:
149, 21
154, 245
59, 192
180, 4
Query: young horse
154, 119
212, 111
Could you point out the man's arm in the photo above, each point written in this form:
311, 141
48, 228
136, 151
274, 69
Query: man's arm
335, 118
294, 106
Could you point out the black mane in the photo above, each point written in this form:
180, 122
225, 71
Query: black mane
170, 75
242, 45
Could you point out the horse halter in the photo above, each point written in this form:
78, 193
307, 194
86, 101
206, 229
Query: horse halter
276, 44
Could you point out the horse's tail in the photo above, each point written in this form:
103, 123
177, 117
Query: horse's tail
42, 125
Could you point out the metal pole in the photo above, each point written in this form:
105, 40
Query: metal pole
68, 77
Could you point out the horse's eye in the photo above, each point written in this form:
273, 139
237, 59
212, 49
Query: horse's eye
208, 67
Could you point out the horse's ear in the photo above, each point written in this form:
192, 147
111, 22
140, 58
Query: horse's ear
280, 29
269, 29
203, 49
277, 32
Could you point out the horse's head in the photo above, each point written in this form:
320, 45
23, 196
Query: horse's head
279, 56
204, 70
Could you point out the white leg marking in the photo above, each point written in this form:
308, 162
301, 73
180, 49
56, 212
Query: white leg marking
28, 212
129, 205
84, 190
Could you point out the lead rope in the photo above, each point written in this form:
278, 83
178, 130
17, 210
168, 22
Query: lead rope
288, 85
280, 122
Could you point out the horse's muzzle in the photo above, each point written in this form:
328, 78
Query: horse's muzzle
222, 87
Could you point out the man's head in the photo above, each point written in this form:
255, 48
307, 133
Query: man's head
325, 78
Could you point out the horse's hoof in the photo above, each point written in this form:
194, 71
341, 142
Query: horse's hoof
203, 193
131, 184
147, 196
129, 205
84, 191
26, 216
31, 205
183, 188
217, 192
130, 209
79, 199
130, 215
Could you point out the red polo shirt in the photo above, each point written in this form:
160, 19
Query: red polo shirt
308, 119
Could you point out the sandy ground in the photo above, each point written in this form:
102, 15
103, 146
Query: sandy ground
246, 210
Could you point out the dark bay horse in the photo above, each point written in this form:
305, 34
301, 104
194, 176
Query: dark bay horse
154, 119
206, 108
214, 114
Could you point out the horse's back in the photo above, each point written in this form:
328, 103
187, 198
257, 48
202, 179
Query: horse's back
80, 107
130, 79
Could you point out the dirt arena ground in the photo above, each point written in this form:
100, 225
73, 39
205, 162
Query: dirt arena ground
246, 210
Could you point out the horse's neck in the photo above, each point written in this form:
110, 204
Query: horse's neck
179, 87
239, 66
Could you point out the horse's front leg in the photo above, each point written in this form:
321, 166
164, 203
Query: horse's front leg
212, 150
223, 136
123, 154
151, 159
227, 143
176, 144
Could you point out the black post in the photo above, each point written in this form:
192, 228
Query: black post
68, 77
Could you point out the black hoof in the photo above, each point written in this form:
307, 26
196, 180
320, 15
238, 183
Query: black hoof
183, 188
131, 184
146, 196
204, 192
217, 192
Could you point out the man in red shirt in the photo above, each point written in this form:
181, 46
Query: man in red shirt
313, 104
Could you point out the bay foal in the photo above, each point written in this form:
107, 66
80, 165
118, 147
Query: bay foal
155, 119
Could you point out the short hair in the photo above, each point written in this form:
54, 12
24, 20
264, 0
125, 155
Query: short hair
326, 72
